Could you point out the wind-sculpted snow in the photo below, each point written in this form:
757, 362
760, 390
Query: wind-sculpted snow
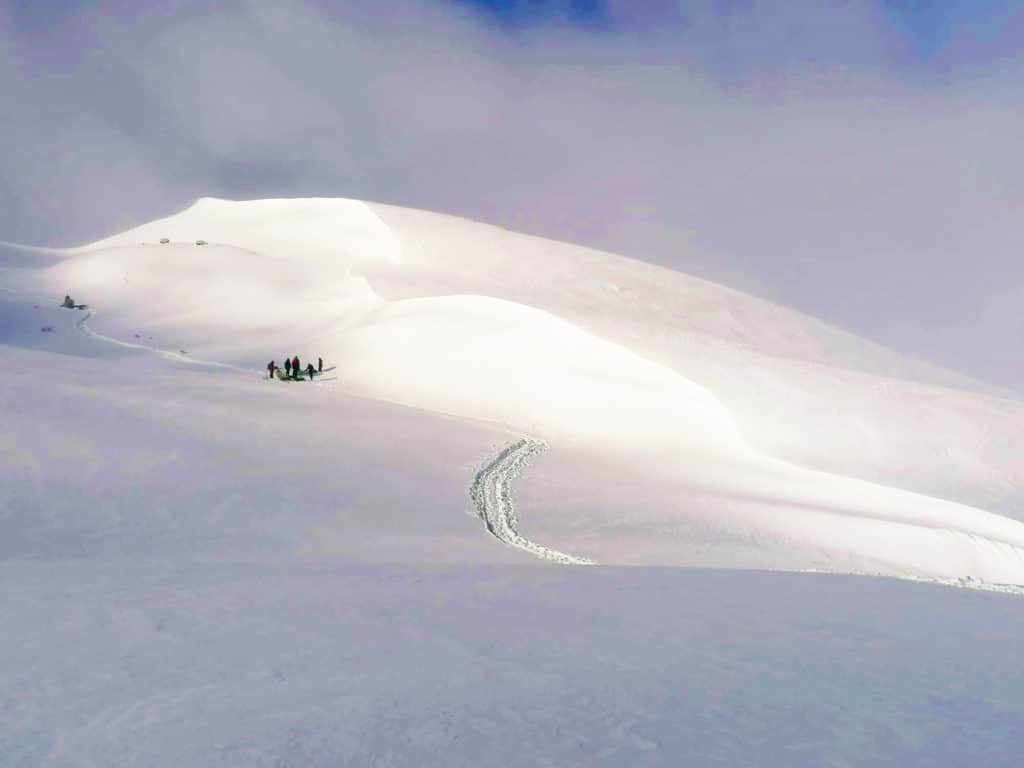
748, 436
491, 493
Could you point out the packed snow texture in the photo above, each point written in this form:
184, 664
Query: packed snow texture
491, 493
200, 565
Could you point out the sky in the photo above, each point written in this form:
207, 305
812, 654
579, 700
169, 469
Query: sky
855, 159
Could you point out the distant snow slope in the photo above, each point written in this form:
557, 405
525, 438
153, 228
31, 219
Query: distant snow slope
802, 390
762, 437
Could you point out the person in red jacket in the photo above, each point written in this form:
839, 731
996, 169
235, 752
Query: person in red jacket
295, 367
271, 367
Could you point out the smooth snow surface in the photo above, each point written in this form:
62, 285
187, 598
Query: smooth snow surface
326, 665
195, 558
766, 439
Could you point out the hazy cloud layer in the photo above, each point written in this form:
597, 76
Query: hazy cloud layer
798, 149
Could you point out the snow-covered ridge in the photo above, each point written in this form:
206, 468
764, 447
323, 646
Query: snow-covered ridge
760, 437
330, 230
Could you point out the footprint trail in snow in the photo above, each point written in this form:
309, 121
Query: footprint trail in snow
491, 493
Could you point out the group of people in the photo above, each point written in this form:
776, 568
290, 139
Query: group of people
293, 368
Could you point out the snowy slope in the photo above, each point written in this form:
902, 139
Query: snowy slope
765, 438
201, 566
803, 391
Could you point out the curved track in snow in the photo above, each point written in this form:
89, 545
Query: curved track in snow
180, 357
491, 493
83, 326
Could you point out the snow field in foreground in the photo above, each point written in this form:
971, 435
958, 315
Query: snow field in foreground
284, 663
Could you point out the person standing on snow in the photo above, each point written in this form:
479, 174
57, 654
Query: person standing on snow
319, 365
310, 370
271, 367
295, 367
287, 367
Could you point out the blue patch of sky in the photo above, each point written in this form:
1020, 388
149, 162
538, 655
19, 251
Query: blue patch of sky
927, 26
528, 12
930, 25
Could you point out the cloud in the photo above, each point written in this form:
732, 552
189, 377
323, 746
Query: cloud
795, 149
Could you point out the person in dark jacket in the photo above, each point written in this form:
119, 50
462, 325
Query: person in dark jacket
310, 370
69, 303
319, 365
271, 367
287, 367
295, 367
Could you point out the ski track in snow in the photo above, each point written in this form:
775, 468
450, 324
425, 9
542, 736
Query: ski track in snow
177, 356
491, 493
